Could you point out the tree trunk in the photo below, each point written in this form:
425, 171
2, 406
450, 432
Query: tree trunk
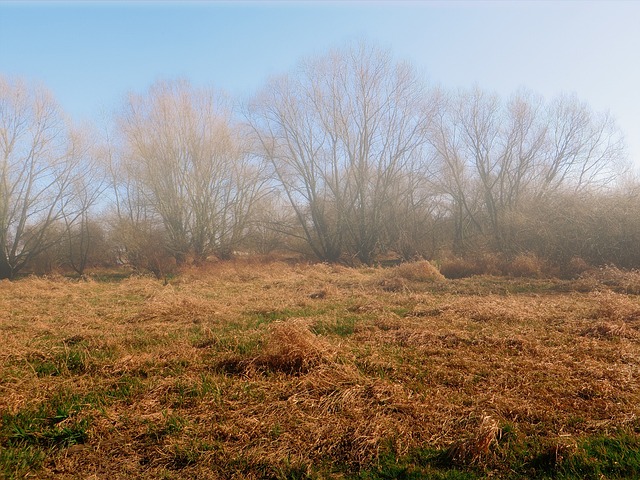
6, 271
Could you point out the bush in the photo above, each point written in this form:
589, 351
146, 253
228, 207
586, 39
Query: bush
459, 268
524, 265
575, 267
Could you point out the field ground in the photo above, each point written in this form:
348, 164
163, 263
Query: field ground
248, 370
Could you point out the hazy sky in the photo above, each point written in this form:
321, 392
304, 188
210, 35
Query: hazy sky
91, 53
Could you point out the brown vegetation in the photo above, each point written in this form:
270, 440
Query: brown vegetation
236, 370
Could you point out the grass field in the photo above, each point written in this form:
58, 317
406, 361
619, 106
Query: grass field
250, 370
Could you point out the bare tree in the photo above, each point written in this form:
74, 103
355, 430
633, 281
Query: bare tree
583, 149
40, 162
83, 234
453, 176
339, 134
188, 163
496, 156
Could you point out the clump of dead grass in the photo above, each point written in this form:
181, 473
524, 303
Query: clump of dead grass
475, 447
398, 278
611, 278
614, 307
422, 271
167, 305
609, 330
290, 347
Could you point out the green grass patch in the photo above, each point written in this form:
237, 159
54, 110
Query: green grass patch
612, 457
260, 317
18, 462
124, 389
172, 424
604, 457
71, 361
30, 435
51, 424
342, 326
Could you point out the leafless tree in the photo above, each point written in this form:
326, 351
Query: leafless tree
185, 160
41, 162
496, 156
340, 133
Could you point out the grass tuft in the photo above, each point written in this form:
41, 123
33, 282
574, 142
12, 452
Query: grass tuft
475, 447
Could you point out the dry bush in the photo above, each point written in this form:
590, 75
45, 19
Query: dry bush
481, 264
397, 279
459, 268
489, 263
609, 277
524, 265
575, 267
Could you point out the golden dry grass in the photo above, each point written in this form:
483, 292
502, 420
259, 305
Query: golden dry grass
242, 370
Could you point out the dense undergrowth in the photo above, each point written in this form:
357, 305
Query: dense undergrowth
246, 370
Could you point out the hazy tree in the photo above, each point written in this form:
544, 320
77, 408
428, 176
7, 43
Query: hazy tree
185, 160
83, 235
41, 162
497, 157
271, 224
583, 149
412, 221
339, 133
454, 176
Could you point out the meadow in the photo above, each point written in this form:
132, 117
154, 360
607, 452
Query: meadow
252, 370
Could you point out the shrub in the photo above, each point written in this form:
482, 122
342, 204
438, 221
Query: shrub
459, 268
524, 265
609, 277
575, 267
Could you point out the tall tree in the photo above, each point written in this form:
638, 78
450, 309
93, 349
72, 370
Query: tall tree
41, 163
496, 157
340, 134
191, 167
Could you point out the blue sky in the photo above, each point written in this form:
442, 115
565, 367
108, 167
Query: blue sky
91, 53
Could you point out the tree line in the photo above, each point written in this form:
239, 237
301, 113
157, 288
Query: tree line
351, 157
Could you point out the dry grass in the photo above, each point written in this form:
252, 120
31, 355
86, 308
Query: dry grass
609, 278
398, 278
475, 447
243, 370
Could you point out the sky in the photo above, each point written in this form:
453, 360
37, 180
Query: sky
90, 54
